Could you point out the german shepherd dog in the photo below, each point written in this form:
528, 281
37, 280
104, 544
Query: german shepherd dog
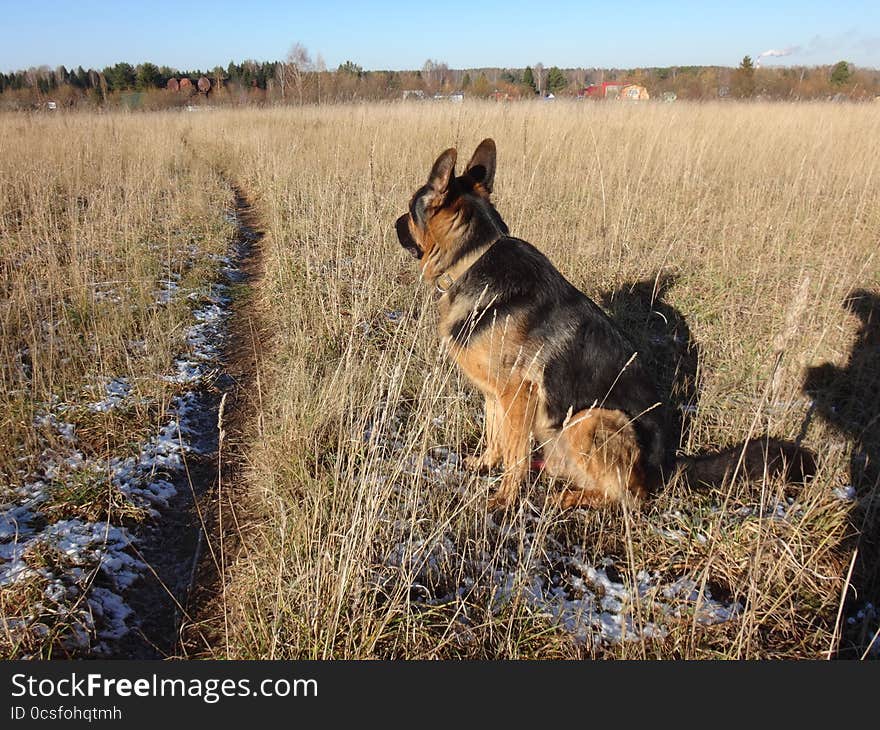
552, 366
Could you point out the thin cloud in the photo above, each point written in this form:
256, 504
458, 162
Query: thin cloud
851, 40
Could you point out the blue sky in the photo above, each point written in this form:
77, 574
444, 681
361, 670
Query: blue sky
401, 35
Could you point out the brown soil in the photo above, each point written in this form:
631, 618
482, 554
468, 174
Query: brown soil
201, 630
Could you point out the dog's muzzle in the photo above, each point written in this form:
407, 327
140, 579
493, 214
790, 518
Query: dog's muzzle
405, 238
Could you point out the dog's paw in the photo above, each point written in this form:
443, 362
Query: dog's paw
574, 498
482, 464
507, 492
498, 501
564, 500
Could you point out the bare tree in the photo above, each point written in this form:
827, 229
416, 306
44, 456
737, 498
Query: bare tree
441, 72
539, 77
434, 74
294, 69
281, 75
428, 73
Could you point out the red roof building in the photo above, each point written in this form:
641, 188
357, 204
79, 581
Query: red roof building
605, 90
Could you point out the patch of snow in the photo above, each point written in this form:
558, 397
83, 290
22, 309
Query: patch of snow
106, 293
96, 560
116, 390
783, 509
868, 616
552, 578
167, 290
51, 422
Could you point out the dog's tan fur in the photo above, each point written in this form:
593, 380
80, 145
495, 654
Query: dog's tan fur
597, 450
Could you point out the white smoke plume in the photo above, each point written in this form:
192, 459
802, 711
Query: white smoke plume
776, 53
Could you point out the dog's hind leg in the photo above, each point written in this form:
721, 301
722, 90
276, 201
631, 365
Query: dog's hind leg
598, 452
517, 407
491, 456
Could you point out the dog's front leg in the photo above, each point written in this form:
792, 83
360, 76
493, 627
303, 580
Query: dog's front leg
491, 456
517, 406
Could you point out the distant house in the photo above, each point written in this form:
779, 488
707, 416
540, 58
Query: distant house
456, 97
616, 90
634, 92
605, 90
413, 94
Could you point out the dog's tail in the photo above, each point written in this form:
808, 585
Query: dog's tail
750, 461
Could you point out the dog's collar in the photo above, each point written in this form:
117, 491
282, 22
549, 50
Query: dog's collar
444, 282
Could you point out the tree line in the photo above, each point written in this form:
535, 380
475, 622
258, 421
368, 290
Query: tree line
299, 79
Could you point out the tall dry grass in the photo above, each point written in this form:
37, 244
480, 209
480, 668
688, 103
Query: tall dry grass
751, 224
103, 218
359, 535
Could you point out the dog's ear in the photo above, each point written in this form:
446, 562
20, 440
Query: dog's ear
481, 168
443, 171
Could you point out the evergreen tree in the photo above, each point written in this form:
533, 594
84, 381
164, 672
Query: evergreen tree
351, 68
840, 74
528, 80
744, 78
466, 80
556, 80
148, 76
218, 77
120, 77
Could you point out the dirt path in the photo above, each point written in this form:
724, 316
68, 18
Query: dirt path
185, 547
201, 630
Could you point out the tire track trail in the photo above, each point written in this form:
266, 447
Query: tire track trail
202, 626
185, 548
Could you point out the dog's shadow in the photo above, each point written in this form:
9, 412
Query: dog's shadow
848, 399
661, 334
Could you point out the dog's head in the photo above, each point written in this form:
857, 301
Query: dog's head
443, 212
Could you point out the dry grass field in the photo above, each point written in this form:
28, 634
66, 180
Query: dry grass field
107, 224
736, 244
